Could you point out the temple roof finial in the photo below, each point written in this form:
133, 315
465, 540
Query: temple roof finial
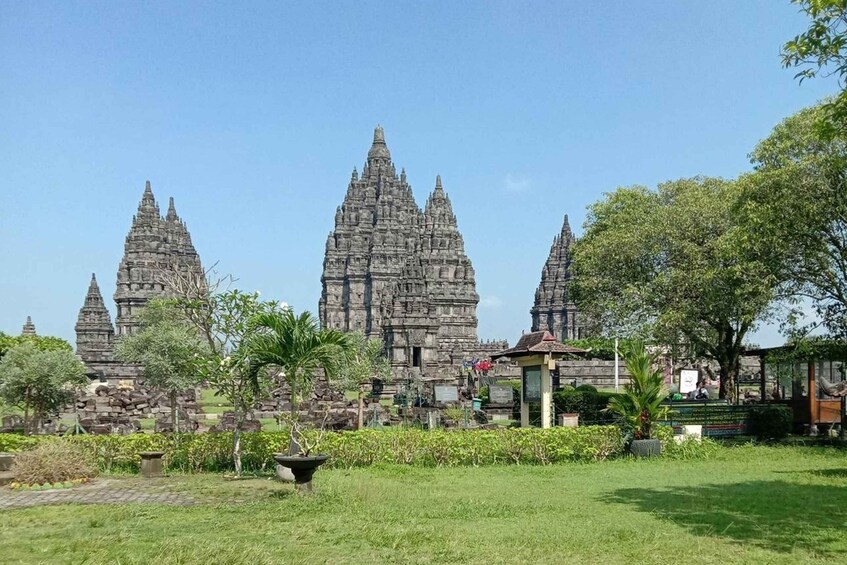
171, 210
379, 150
438, 182
29, 327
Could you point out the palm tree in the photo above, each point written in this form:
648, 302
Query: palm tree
297, 347
640, 406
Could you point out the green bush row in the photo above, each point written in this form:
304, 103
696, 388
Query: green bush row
212, 451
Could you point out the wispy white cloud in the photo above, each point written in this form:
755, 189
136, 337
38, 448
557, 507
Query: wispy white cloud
514, 183
491, 302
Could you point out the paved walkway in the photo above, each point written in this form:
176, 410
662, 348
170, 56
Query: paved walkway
100, 491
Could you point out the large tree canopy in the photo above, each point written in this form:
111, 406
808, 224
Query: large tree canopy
822, 48
796, 204
674, 265
40, 342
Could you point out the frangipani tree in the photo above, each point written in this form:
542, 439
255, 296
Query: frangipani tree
365, 361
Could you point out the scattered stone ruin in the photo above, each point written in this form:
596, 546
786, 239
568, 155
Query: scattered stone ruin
111, 409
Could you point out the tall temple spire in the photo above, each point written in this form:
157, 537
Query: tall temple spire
171, 210
94, 332
398, 273
29, 327
554, 309
154, 245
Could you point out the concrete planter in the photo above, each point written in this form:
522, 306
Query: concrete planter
151, 463
303, 468
646, 447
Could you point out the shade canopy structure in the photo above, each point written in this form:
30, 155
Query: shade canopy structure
812, 380
536, 354
539, 343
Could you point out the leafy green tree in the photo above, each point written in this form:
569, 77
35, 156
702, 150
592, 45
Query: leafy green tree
796, 205
41, 343
674, 265
365, 361
39, 381
297, 347
600, 347
170, 350
822, 49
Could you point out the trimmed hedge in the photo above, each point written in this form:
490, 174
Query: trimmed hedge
212, 451
771, 421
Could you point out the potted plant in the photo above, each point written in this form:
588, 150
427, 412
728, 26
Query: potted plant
640, 405
297, 347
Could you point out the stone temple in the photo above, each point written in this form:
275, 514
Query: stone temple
154, 246
398, 273
554, 309
29, 327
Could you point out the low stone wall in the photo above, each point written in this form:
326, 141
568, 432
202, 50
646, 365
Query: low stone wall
595, 372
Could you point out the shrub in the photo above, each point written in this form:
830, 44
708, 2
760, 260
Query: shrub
212, 451
587, 388
771, 421
590, 405
53, 462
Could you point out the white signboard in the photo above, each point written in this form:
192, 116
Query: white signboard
446, 393
688, 380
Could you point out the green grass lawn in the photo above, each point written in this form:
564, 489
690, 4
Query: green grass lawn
747, 505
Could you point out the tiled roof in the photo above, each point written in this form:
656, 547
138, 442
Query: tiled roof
536, 343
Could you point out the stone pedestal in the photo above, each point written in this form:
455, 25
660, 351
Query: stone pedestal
6, 460
151, 463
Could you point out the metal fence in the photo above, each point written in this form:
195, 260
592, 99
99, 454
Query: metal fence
718, 418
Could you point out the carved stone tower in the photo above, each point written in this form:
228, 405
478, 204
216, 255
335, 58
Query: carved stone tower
411, 324
554, 309
376, 227
94, 332
451, 276
381, 238
154, 245
29, 327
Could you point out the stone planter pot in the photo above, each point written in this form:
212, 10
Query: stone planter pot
303, 468
645, 447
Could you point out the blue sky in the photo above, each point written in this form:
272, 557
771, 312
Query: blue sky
253, 115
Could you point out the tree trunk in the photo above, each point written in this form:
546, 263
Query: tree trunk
293, 445
236, 447
26, 413
361, 407
729, 368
